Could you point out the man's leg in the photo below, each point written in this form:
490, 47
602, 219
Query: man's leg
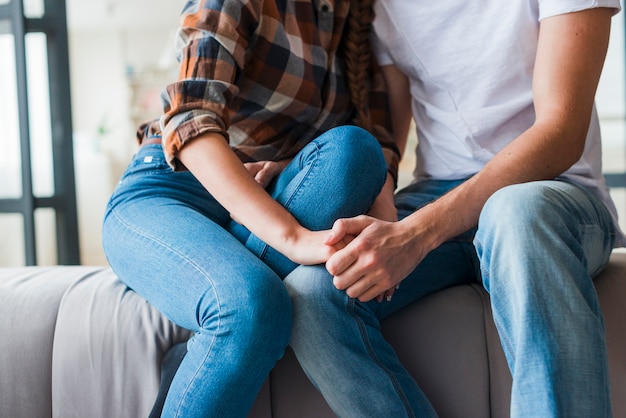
540, 244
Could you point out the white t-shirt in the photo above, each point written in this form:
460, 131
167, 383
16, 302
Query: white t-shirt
470, 66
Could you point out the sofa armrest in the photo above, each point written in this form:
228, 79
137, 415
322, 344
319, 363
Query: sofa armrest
29, 303
109, 343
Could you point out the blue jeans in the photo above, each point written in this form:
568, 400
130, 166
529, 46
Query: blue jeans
169, 240
536, 249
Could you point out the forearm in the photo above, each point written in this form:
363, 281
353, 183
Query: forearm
569, 61
219, 170
399, 103
530, 157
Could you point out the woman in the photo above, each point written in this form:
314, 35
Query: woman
253, 158
508, 192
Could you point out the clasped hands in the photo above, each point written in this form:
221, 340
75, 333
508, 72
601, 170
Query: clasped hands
374, 261
366, 256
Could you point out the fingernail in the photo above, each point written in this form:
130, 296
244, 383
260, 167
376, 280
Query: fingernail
388, 298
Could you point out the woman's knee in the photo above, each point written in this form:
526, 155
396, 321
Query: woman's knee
357, 150
257, 315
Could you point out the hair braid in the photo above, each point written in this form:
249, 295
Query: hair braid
358, 57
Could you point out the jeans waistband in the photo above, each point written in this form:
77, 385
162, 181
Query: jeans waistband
151, 141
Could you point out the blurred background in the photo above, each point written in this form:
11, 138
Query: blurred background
121, 53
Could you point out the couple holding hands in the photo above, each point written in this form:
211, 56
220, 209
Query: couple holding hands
261, 209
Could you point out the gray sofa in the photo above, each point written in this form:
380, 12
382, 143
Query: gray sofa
75, 342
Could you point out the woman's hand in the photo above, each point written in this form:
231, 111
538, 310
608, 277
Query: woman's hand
266, 171
313, 247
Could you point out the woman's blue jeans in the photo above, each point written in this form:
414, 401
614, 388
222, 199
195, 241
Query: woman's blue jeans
169, 240
536, 249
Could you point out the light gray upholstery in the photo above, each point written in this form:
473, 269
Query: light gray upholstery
75, 342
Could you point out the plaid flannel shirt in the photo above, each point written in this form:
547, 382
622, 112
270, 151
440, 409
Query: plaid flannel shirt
265, 75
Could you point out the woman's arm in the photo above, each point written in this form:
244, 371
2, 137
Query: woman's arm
214, 38
216, 166
569, 61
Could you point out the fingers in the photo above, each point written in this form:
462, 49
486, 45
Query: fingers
356, 273
362, 276
337, 232
263, 171
343, 260
364, 291
339, 262
388, 294
348, 226
371, 287
264, 177
267, 173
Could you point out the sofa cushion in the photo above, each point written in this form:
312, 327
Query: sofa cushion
611, 288
441, 340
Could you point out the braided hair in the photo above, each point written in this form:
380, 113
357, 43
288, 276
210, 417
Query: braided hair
357, 52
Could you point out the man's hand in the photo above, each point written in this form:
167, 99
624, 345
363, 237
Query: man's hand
376, 260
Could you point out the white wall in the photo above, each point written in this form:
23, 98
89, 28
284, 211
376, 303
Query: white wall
104, 64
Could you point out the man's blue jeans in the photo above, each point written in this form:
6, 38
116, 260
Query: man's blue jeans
169, 240
536, 248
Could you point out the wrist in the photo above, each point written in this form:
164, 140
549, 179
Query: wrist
428, 227
288, 239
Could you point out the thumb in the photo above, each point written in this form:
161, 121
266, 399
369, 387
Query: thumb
347, 226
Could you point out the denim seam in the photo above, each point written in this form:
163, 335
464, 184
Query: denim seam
177, 253
396, 385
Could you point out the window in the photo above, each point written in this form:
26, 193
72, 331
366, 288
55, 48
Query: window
37, 194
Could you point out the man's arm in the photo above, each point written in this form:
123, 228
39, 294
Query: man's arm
570, 56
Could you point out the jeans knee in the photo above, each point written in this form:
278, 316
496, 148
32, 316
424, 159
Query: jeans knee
257, 319
271, 321
515, 214
311, 291
359, 151
506, 203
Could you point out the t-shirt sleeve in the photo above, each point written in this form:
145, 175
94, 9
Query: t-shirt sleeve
380, 52
548, 8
